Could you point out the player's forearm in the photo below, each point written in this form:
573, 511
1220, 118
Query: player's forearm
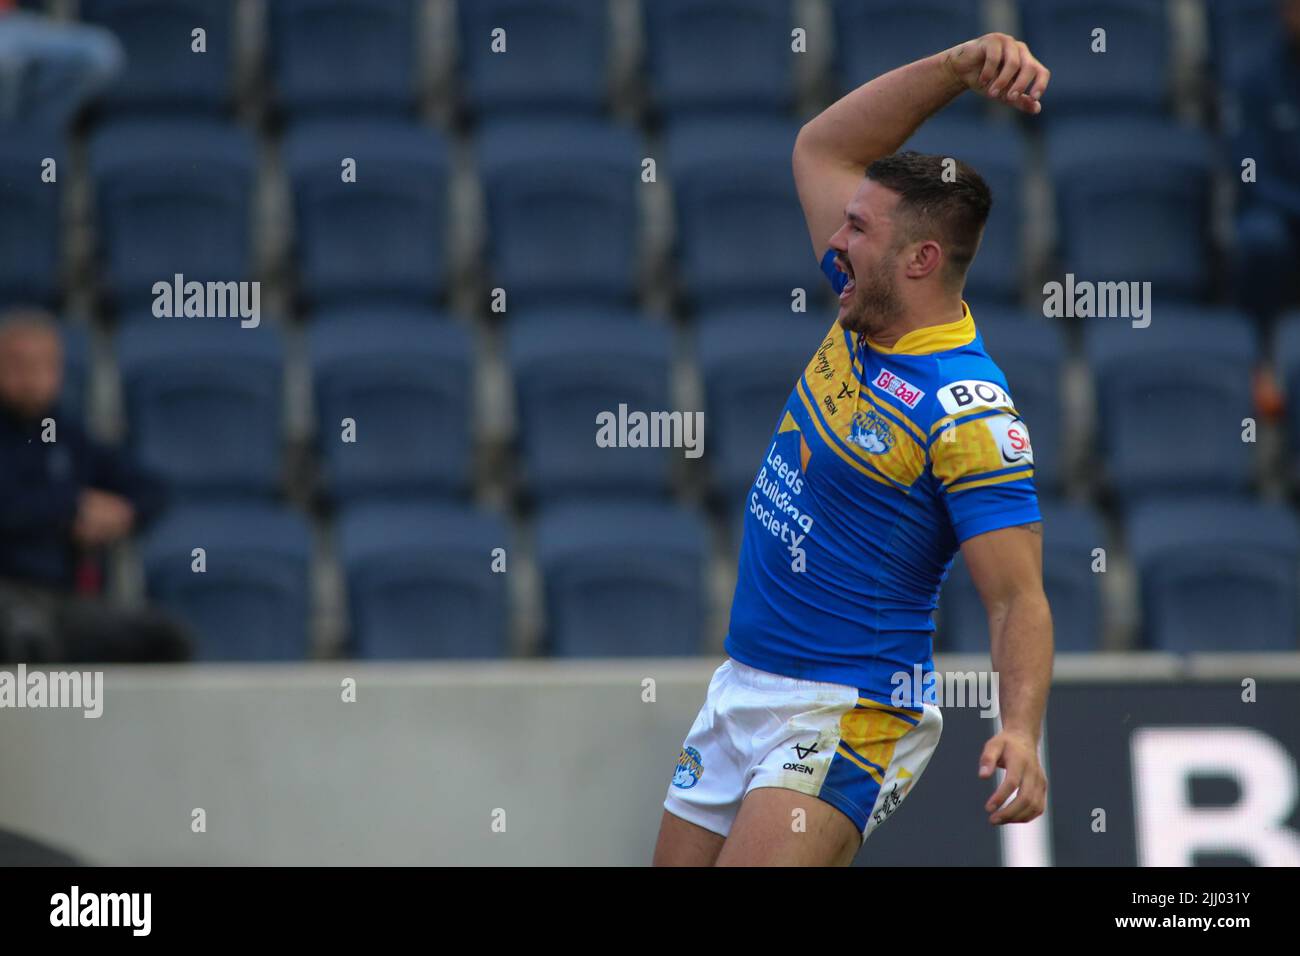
1021, 644
878, 117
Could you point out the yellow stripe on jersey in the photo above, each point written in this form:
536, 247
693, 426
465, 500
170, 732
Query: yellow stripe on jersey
882, 402
942, 423
830, 442
995, 480
903, 461
967, 450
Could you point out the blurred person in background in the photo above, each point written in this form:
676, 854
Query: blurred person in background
64, 498
50, 68
1266, 124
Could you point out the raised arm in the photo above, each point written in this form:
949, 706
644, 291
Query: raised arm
834, 149
1007, 567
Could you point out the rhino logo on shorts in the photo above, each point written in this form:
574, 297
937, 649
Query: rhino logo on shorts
690, 768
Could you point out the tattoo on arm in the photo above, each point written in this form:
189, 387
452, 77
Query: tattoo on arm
1036, 527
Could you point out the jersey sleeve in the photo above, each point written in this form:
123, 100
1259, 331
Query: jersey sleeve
837, 278
982, 459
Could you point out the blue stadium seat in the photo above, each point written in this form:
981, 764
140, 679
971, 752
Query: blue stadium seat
421, 583
1241, 33
163, 72
623, 580
551, 315
406, 381
334, 57
1217, 574
30, 219
1133, 203
1171, 399
749, 363
568, 372
203, 402
1031, 352
76, 369
997, 152
252, 603
1132, 75
172, 196
382, 236
555, 57
719, 55
1287, 353
562, 210
875, 36
1071, 532
740, 230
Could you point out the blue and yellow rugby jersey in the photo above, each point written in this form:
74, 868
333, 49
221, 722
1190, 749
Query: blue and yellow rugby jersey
884, 460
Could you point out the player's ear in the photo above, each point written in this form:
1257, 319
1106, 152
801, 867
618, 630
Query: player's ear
924, 258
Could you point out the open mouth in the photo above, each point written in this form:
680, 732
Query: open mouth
847, 292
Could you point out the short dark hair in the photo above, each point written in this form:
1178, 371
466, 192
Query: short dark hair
953, 212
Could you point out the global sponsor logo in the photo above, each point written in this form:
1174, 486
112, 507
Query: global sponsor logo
899, 387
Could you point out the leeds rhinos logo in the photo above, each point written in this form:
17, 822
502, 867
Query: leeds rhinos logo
690, 768
871, 432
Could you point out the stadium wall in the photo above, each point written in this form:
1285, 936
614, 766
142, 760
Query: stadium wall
535, 763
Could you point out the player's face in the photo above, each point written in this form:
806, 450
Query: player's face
866, 252
31, 370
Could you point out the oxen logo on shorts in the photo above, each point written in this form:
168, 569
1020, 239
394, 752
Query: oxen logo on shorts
690, 768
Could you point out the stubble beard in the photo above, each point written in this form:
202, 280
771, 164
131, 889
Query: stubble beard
875, 305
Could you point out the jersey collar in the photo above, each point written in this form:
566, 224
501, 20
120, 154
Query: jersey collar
933, 338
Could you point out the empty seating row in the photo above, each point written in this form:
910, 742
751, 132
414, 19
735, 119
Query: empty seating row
516, 55
394, 398
371, 209
628, 579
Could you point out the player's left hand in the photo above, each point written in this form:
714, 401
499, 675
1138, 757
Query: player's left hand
1017, 754
1001, 68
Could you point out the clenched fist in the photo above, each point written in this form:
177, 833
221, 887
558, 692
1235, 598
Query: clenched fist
1001, 68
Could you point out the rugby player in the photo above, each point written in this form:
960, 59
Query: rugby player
899, 444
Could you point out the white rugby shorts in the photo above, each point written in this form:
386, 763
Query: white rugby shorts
826, 740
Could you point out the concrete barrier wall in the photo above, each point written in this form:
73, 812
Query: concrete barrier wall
568, 756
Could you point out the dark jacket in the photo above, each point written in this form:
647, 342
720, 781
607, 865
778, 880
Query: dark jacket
40, 483
1267, 129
